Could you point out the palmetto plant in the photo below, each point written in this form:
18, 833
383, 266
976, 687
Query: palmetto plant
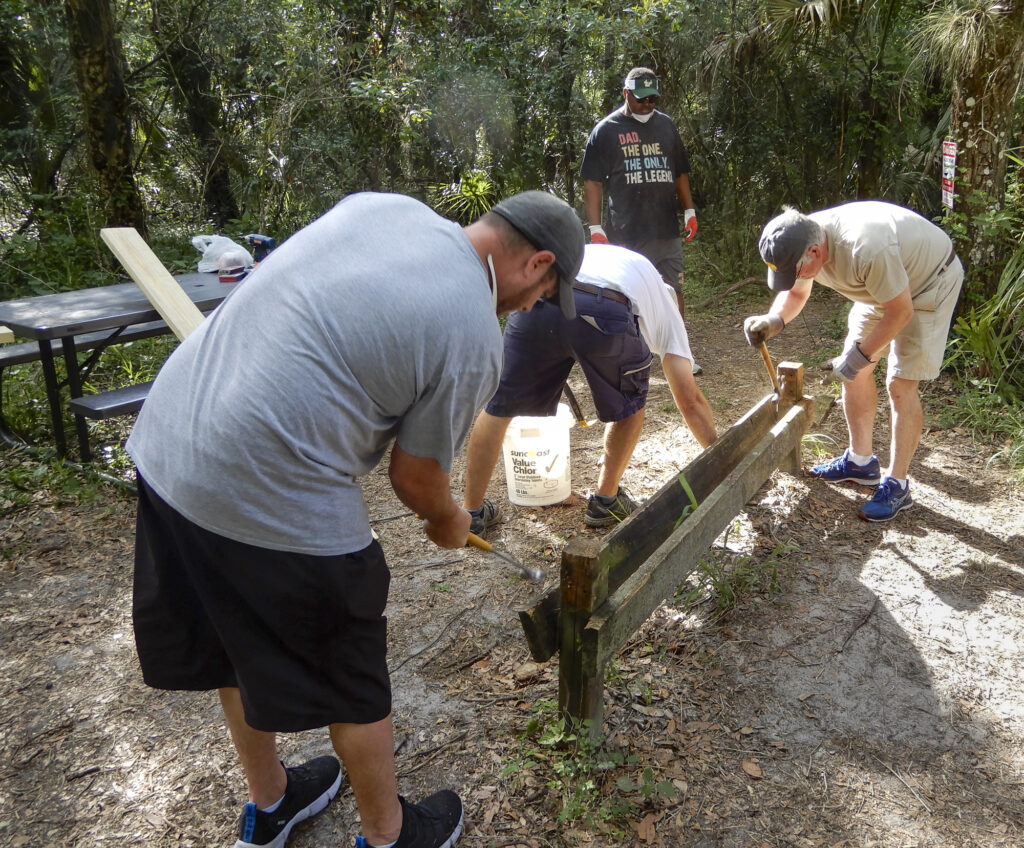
993, 333
467, 199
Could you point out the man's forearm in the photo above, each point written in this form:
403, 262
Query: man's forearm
789, 304
897, 314
683, 191
690, 401
592, 191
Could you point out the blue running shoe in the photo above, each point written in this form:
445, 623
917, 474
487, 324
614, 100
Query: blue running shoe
842, 469
887, 501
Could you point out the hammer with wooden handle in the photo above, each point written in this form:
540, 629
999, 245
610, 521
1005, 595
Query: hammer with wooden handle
771, 368
534, 574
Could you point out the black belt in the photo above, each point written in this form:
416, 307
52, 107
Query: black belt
949, 261
611, 294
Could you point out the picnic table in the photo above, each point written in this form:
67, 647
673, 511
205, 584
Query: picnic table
111, 311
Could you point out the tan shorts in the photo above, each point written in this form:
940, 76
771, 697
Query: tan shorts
917, 352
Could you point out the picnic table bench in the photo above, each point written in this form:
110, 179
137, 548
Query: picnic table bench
92, 319
21, 353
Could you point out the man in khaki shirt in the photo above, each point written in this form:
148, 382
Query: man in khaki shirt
904, 278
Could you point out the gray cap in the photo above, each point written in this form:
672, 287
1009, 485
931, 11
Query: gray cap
549, 224
784, 241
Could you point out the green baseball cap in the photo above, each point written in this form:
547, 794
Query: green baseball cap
642, 82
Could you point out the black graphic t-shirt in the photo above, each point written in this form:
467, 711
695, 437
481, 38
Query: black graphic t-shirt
639, 164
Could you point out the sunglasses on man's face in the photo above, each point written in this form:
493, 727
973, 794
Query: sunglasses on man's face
650, 98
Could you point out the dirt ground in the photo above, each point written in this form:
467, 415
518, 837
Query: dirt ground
864, 689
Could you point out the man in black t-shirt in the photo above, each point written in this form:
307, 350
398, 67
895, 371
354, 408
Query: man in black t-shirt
637, 152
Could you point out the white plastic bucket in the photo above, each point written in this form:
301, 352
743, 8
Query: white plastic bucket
536, 451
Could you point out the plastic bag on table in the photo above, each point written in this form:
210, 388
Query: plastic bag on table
220, 254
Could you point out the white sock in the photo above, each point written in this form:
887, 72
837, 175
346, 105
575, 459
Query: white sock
273, 806
857, 459
903, 481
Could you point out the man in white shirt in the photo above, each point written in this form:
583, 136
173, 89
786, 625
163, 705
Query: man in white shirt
623, 313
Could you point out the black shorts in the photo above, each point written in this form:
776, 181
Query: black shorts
304, 638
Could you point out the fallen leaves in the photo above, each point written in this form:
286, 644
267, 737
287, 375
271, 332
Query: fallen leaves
753, 769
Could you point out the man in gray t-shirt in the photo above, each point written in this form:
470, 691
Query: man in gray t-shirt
256, 570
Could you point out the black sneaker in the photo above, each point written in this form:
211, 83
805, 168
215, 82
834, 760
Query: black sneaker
435, 822
310, 788
601, 512
484, 518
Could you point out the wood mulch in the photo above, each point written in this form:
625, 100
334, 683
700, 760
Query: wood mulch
861, 689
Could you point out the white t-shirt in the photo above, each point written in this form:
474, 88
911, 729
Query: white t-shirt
374, 323
654, 303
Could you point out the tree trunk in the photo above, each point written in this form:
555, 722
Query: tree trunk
981, 124
190, 80
99, 68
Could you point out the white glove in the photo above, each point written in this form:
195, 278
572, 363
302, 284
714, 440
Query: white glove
759, 328
850, 364
597, 234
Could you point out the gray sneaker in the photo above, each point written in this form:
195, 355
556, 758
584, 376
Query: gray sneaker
602, 511
484, 518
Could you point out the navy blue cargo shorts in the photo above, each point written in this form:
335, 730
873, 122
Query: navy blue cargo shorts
541, 347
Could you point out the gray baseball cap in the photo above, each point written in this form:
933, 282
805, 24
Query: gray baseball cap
549, 223
783, 243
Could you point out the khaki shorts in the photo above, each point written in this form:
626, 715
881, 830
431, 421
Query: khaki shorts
917, 352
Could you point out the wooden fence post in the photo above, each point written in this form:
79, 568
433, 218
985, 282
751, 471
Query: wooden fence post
584, 588
791, 392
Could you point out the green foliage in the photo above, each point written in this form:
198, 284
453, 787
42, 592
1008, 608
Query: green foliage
467, 199
982, 410
589, 783
725, 579
989, 338
690, 507
25, 480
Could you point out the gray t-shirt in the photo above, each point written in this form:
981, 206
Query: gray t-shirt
876, 250
373, 323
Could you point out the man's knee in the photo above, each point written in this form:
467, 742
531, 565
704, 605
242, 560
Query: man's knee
901, 390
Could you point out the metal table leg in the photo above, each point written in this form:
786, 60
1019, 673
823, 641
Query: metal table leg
75, 389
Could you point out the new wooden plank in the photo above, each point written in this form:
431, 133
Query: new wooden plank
156, 282
633, 602
641, 533
6, 335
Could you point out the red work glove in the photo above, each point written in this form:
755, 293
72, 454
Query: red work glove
597, 235
690, 223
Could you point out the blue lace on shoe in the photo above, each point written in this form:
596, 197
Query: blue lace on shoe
888, 500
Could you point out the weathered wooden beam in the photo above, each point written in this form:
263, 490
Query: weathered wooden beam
584, 587
641, 533
611, 626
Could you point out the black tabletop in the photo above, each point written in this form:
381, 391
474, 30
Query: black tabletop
51, 316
